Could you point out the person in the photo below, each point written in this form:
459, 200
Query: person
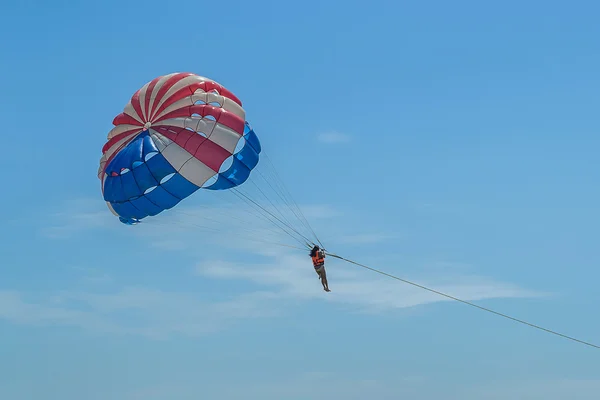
318, 259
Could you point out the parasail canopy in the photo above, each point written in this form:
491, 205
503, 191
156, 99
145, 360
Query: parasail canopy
178, 133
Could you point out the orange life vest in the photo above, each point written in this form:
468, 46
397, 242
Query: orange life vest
318, 259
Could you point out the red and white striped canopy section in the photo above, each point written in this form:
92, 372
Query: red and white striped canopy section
172, 103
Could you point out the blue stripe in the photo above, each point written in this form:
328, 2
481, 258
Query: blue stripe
142, 175
130, 187
159, 167
142, 203
251, 138
242, 164
128, 210
237, 174
179, 187
125, 158
113, 189
148, 146
144, 178
248, 156
162, 198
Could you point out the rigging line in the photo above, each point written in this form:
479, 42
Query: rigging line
281, 196
467, 302
219, 211
265, 215
270, 201
279, 180
274, 216
254, 239
247, 200
239, 228
287, 193
260, 215
254, 212
279, 191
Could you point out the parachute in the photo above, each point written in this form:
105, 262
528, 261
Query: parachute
180, 133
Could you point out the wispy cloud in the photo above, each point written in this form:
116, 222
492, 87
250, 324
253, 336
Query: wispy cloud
333, 137
290, 277
77, 215
282, 282
132, 310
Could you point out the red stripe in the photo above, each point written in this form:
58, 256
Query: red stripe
118, 137
135, 102
181, 137
169, 84
223, 91
148, 94
185, 138
204, 150
189, 90
222, 116
109, 159
211, 154
178, 95
125, 119
194, 143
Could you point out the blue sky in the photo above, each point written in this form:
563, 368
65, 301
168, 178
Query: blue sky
456, 144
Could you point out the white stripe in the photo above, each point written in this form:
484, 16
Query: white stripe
200, 95
175, 155
142, 99
234, 107
101, 169
188, 80
112, 149
160, 141
196, 172
156, 89
188, 166
117, 130
129, 110
220, 134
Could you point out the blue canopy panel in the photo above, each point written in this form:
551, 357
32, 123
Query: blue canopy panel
242, 163
140, 182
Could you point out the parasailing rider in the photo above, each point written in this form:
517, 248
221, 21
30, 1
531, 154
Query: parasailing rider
318, 259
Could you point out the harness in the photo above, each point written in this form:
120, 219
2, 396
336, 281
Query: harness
319, 259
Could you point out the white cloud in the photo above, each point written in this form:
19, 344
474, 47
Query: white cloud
288, 279
291, 277
333, 137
